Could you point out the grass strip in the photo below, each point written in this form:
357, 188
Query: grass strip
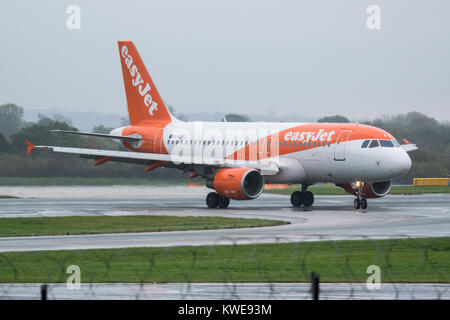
332, 190
13, 227
80, 181
400, 260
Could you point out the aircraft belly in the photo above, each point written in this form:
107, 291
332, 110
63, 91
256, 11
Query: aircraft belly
316, 162
291, 170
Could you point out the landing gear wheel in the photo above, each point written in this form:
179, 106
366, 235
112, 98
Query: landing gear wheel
224, 202
212, 200
363, 204
356, 203
296, 198
308, 199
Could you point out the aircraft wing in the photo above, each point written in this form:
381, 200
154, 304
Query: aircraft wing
408, 146
266, 166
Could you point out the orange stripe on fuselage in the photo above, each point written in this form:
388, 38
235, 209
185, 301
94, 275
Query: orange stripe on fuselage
325, 133
311, 134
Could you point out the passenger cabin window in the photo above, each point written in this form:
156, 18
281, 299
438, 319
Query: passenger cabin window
386, 143
374, 144
365, 143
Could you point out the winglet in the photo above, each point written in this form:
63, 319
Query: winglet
408, 146
30, 146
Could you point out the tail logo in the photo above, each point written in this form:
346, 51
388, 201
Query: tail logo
138, 82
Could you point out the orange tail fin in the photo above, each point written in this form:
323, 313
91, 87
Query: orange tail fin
144, 102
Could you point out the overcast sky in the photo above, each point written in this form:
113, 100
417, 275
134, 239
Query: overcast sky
311, 57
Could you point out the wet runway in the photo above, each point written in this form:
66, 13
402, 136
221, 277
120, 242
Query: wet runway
331, 217
228, 291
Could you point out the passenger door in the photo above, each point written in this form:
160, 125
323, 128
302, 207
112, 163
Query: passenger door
339, 146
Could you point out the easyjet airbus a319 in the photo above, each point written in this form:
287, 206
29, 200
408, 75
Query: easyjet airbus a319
237, 159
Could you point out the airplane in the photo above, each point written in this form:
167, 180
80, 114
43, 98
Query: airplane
237, 159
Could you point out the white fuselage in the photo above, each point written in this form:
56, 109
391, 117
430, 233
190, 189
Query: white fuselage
330, 162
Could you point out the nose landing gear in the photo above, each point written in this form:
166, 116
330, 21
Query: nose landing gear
304, 197
360, 202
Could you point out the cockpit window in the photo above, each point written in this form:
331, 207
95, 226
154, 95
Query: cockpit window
386, 143
374, 144
365, 143
396, 144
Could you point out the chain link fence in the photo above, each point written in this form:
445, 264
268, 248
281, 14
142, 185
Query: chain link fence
403, 268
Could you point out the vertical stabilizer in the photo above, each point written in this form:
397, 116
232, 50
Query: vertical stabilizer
144, 102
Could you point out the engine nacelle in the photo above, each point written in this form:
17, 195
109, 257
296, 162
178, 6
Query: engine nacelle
377, 189
369, 190
237, 183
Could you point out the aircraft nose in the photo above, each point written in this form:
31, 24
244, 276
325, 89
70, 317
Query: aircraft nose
402, 163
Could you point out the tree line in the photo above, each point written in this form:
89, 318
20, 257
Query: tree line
14, 162
432, 159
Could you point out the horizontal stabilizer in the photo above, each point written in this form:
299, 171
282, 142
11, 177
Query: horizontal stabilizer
101, 135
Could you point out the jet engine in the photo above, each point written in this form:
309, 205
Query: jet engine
237, 183
369, 190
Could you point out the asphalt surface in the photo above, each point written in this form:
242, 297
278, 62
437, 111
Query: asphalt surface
331, 217
218, 291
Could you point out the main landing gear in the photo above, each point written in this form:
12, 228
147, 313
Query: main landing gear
304, 197
215, 200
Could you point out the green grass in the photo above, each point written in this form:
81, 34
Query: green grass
419, 190
332, 190
78, 181
13, 227
7, 197
75, 181
402, 260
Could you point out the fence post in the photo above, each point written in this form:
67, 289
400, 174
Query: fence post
44, 292
315, 286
